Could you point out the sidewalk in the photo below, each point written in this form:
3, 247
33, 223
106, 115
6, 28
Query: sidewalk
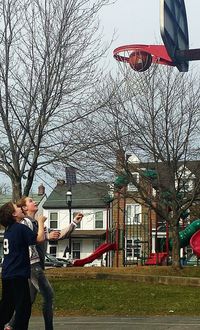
119, 323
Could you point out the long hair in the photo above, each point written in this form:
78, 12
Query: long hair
22, 201
6, 214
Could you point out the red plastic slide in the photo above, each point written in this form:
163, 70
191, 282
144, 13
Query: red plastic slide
105, 247
195, 243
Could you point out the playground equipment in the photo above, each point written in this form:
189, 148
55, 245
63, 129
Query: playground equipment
186, 235
105, 247
195, 243
156, 259
189, 236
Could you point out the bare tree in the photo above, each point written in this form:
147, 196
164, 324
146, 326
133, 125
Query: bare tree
154, 115
49, 54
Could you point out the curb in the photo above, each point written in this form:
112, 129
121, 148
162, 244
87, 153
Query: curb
154, 279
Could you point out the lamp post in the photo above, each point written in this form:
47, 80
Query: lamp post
69, 205
137, 242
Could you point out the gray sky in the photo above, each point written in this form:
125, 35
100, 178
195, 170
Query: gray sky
137, 21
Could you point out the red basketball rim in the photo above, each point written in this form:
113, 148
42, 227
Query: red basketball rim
158, 52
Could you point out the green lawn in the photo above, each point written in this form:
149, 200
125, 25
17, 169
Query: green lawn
107, 297
76, 293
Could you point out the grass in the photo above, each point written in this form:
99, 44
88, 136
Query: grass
86, 296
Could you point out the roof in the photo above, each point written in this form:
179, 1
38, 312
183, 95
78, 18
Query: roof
78, 233
88, 233
84, 195
5, 198
163, 168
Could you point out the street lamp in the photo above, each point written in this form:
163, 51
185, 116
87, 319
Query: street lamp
69, 205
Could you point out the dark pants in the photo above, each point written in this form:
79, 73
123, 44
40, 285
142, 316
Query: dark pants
15, 297
39, 283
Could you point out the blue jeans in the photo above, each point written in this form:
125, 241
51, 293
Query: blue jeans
39, 283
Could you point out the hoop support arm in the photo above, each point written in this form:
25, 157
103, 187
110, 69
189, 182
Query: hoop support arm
188, 54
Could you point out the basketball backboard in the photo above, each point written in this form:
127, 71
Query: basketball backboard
174, 31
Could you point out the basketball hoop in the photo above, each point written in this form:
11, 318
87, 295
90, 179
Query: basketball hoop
174, 33
140, 57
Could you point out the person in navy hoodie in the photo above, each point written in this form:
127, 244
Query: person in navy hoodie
16, 265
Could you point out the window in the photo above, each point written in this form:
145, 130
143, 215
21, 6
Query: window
76, 250
53, 220
131, 186
53, 250
133, 248
129, 250
136, 247
79, 224
99, 219
185, 180
133, 214
186, 184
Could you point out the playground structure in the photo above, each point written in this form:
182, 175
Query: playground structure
142, 238
103, 248
139, 238
189, 236
195, 243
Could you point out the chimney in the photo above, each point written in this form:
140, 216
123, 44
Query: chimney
120, 161
70, 172
41, 190
60, 182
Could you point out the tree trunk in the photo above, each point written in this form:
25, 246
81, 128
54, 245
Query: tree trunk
29, 182
16, 189
175, 247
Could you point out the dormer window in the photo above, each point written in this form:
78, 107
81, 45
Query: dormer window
185, 180
131, 186
133, 214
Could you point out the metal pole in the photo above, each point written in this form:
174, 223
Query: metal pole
150, 233
124, 230
167, 240
107, 220
69, 205
70, 220
137, 245
117, 229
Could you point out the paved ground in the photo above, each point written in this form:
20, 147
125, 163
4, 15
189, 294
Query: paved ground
119, 323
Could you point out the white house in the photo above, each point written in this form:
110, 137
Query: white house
91, 199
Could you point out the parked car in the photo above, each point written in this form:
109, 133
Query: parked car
65, 262
193, 260
51, 261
